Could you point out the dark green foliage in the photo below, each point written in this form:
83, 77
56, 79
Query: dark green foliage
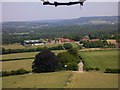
67, 46
72, 66
59, 47
109, 70
97, 44
73, 51
21, 71
69, 58
45, 61
14, 72
91, 69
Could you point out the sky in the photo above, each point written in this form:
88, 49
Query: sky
34, 10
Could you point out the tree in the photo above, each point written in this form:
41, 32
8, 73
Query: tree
69, 58
67, 46
45, 61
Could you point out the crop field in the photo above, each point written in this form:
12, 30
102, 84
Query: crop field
100, 59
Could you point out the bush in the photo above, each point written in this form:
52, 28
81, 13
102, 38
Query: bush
108, 70
67, 46
14, 72
21, 71
91, 69
72, 66
59, 47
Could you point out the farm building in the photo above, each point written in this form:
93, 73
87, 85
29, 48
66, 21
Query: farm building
34, 42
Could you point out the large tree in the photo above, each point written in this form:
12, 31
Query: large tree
45, 61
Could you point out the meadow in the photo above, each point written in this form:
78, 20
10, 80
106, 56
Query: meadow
101, 59
59, 80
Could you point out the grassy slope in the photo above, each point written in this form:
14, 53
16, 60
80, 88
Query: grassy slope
57, 80
101, 59
43, 80
93, 80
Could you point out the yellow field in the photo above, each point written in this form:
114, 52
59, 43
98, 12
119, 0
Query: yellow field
42, 80
14, 65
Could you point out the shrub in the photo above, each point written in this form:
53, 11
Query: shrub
21, 71
108, 70
72, 66
97, 69
14, 72
91, 69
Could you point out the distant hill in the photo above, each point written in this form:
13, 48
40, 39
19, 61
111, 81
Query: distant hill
76, 21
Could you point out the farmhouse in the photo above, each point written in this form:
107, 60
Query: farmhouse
34, 42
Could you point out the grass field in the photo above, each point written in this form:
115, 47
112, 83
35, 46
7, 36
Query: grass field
93, 80
18, 46
14, 65
58, 79
25, 55
101, 59
43, 80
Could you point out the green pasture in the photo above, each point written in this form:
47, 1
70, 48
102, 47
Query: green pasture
100, 59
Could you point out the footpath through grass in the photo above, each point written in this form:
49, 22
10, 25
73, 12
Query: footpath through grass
93, 80
58, 80
100, 59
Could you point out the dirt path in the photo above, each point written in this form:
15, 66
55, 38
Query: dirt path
74, 79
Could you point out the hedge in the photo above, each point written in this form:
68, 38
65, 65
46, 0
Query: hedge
14, 72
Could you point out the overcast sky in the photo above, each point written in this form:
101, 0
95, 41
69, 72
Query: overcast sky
28, 11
